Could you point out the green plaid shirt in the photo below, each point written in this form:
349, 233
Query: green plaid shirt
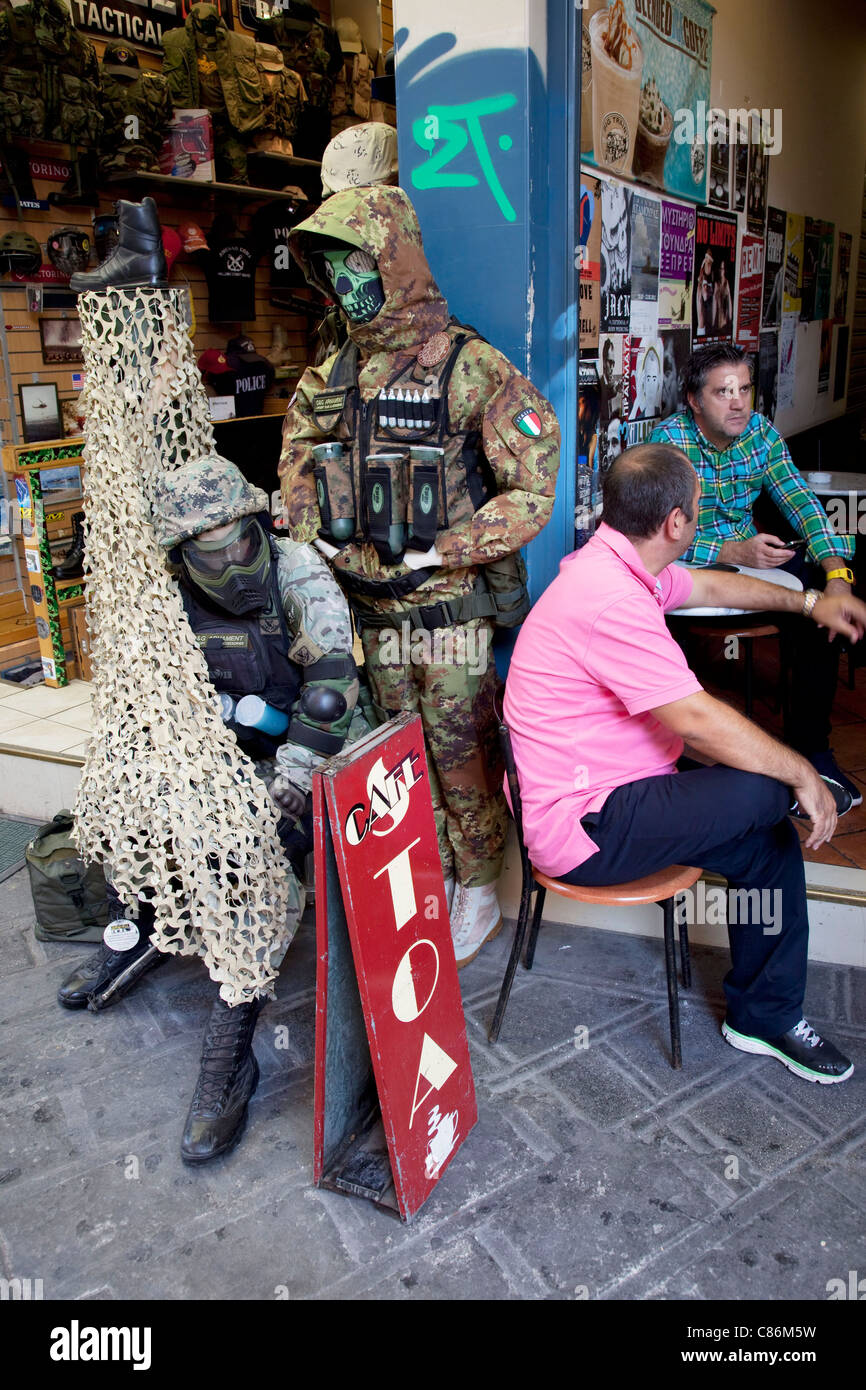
731, 480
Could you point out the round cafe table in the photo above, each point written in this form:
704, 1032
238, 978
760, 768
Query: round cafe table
776, 576
836, 484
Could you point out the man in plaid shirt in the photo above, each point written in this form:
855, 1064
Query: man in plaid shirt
736, 453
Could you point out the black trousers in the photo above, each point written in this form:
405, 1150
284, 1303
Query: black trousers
734, 824
814, 673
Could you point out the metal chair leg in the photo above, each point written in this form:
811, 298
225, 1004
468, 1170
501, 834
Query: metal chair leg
540, 895
685, 958
667, 907
516, 948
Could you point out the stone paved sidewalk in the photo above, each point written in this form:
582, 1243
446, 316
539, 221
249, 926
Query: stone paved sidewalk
593, 1172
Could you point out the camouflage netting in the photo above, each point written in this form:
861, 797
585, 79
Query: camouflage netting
167, 801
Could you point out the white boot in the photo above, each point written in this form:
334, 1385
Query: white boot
449, 890
475, 919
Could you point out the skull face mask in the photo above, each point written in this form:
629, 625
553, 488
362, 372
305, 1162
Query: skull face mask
356, 281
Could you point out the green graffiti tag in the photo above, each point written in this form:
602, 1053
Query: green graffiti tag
444, 124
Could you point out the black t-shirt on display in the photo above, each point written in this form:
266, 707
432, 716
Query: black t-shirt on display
271, 226
230, 269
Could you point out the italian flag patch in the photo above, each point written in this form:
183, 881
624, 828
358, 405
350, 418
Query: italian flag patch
529, 422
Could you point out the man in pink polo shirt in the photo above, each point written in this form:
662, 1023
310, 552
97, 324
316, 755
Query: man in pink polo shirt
599, 701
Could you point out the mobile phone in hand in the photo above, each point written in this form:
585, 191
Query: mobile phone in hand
787, 545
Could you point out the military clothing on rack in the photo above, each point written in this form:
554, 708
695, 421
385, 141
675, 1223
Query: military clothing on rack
311, 49
209, 65
284, 97
127, 91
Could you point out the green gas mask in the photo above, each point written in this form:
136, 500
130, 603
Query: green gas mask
355, 278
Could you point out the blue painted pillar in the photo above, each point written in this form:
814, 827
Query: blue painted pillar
488, 148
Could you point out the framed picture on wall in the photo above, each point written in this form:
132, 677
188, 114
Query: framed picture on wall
40, 412
61, 340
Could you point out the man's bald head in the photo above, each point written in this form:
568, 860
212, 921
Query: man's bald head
644, 485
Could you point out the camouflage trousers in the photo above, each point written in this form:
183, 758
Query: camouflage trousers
449, 678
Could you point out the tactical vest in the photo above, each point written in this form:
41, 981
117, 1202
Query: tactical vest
247, 654
304, 51
353, 93
148, 100
284, 94
49, 76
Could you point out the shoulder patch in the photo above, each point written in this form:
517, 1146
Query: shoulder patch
329, 402
529, 423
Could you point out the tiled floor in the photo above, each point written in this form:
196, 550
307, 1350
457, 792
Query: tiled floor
44, 719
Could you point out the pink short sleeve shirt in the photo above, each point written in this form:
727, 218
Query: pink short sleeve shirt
593, 658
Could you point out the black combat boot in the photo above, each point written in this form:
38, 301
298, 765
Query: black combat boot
72, 564
138, 257
107, 975
228, 1077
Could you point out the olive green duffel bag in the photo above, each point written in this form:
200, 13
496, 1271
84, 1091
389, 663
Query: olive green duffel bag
68, 896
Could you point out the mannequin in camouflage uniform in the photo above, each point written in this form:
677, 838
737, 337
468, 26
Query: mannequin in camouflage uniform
49, 89
408, 541
211, 66
284, 98
271, 622
127, 91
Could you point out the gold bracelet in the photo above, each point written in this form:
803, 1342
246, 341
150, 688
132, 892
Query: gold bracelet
810, 598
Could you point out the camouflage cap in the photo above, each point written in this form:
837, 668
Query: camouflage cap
202, 493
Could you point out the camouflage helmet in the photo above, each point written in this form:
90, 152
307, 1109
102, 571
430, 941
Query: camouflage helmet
205, 492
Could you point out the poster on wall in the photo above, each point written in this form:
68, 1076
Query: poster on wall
715, 262
589, 262
756, 197
587, 486
787, 360
774, 268
676, 263
843, 269
646, 80
613, 381
768, 374
645, 237
824, 278
795, 227
811, 245
749, 286
840, 375
740, 176
615, 257
676, 346
646, 377
719, 183
824, 356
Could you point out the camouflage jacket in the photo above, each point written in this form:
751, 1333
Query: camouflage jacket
235, 57
49, 76
147, 98
318, 618
314, 52
486, 396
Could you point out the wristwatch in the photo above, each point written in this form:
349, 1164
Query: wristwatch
845, 573
810, 598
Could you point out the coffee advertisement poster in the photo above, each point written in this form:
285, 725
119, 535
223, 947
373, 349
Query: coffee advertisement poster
774, 268
750, 283
676, 265
645, 84
615, 257
589, 263
792, 293
715, 275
